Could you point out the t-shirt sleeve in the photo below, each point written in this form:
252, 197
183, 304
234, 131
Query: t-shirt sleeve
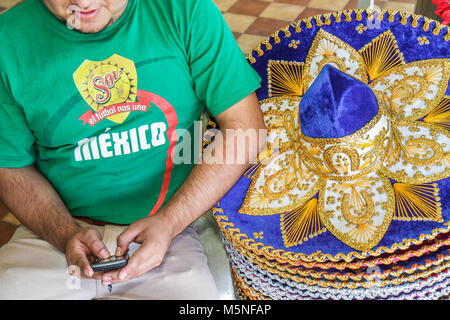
16, 138
222, 76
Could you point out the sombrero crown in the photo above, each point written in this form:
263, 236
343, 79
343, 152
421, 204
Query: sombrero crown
336, 105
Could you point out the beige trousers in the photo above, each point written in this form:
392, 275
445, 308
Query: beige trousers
31, 268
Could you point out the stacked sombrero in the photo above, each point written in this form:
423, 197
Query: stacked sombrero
350, 199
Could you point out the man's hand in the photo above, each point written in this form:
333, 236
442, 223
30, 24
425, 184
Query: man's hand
85, 242
155, 234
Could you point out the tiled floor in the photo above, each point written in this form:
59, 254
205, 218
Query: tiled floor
253, 20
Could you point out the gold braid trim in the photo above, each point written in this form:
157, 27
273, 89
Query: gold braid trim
348, 15
359, 13
336, 15
267, 44
350, 280
427, 23
247, 292
414, 22
287, 33
363, 280
318, 19
405, 17
392, 14
370, 281
239, 239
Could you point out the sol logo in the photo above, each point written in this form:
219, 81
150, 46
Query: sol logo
105, 84
108, 83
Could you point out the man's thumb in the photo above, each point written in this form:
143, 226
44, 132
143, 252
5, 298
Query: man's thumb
124, 240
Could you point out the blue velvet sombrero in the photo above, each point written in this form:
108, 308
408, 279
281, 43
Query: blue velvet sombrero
357, 106
358, 154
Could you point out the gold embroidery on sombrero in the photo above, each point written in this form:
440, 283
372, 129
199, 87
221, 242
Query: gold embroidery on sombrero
328, 49
421, 86
381, 54
361, 28
280, 182
423, 40
417, 202
282, 126
440, 115
252, 169
301, 224
361, 212
294, 44
414, 89
393, 148
258, 235
420, 154
349, 157
285, 78
209, 129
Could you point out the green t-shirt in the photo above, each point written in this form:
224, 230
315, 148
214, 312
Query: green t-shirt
103, 115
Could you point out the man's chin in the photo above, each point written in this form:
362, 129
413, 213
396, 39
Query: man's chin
92, 27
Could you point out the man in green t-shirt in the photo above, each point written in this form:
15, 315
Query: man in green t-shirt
99, 101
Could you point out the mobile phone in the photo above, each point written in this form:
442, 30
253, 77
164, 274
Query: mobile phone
110, 263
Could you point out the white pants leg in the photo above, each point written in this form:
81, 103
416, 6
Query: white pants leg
30, 268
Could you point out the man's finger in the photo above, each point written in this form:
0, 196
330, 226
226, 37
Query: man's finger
93, 241
109, 276
144, 259
82, 262
125, 238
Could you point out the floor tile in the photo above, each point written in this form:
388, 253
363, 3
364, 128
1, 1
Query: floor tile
309, 12
400, 6
296, 2
334, 5
247, 42
224, 5
238, 22
249, 7
379, 4
236, 35
408, 1
266, 26
352, 4
282, 11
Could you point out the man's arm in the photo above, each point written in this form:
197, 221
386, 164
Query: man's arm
36, 204
206, 184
